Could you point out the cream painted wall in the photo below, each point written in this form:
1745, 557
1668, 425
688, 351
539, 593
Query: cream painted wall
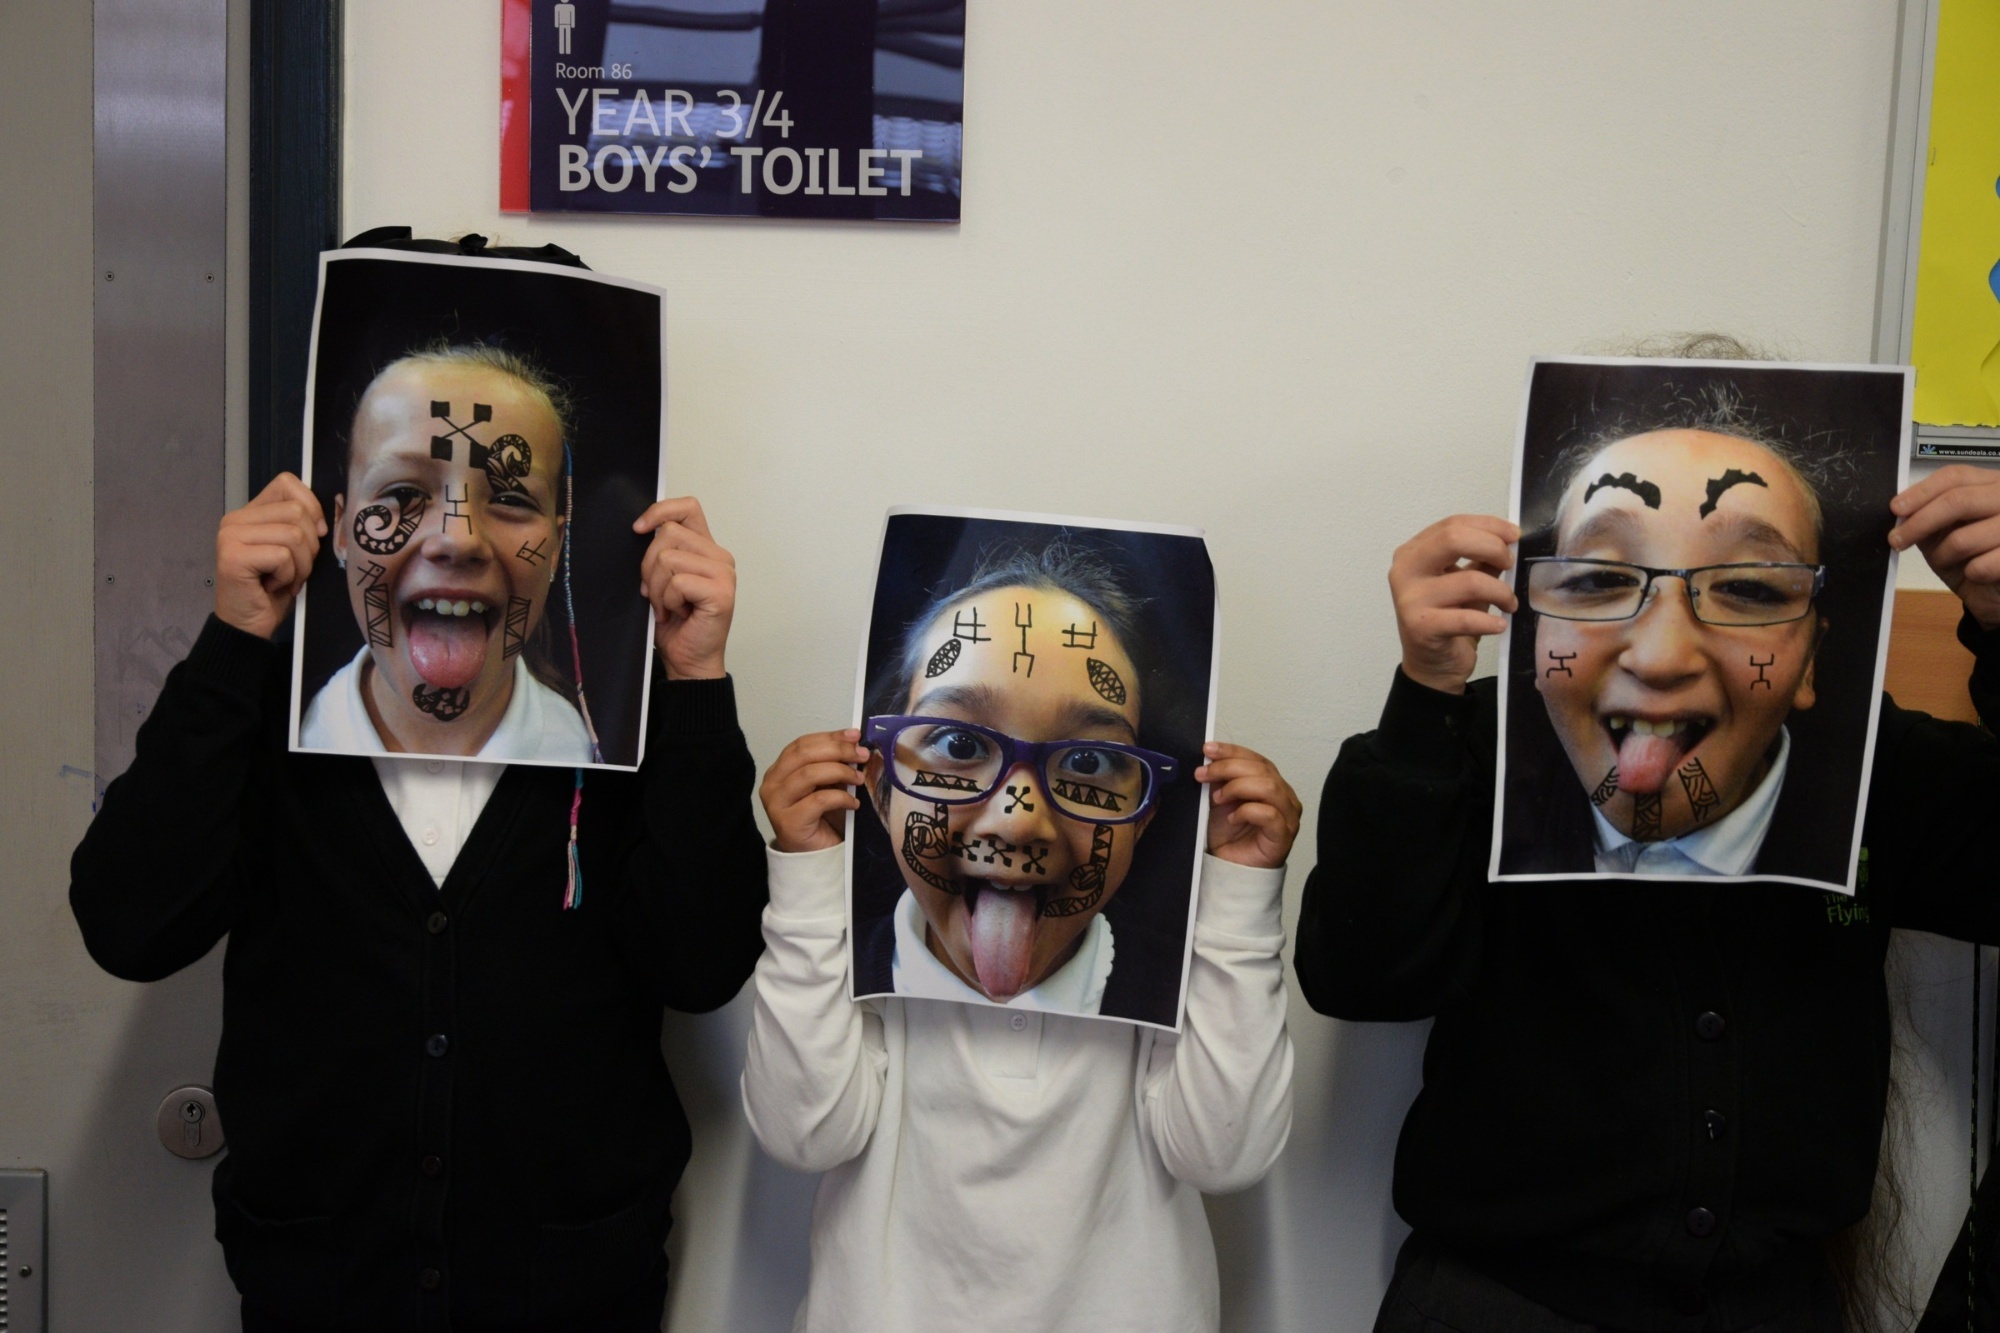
1275, 270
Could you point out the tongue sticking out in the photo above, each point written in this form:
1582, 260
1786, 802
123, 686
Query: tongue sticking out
1001, 924
1643, 762
447, 651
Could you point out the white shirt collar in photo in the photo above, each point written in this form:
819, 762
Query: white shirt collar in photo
1727, 847
1077, 987
539, 723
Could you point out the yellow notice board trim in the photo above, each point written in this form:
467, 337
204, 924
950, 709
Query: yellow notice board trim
1955, 344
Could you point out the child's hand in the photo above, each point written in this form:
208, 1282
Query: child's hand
1256, 813
264, 553
805, 793
1445, 580
1953, 517
691, 583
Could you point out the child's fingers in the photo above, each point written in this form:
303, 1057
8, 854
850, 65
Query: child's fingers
684, 509
795, 786
1268, 789
680, 537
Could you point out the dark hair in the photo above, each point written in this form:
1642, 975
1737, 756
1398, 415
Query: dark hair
1062, 564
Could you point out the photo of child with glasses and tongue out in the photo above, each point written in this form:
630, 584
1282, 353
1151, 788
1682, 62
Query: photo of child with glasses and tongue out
1022, 807
1704, 578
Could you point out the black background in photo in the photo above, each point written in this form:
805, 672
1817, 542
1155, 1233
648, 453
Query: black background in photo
1855, 414
601, 341
924, 554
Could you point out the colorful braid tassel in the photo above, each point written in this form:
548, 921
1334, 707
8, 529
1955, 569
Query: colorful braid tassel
573, 896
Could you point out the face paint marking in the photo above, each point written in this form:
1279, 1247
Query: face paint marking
375, 597
1080, 638
385, 529
944, 781
1625, 481
443, 704
1762, 679
969, 632
1105, 680
1024, 626
1087, 879
514, 632
505, 464
1646, 817
944, 659
1605, 789
1082, 793
1034, 857
1017, 799
1730, 477
441, 445
996, 847
1700, 791
532, 554
1562, 661
455, 508
924, 840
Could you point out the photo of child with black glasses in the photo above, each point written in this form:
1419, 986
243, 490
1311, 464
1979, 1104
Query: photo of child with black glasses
1033, 706
1706, 585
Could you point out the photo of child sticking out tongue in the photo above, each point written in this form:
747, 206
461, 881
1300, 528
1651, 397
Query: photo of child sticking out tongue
1015, 775
450, 532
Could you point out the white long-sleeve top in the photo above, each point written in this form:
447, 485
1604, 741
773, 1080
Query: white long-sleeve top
996, 1169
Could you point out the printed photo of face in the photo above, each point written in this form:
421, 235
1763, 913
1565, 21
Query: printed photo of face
450, 528
1008, 884
1669, 718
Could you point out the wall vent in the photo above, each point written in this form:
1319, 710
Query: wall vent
24, 1214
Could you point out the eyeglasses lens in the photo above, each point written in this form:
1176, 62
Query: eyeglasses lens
954, 762
1724, 595
1092, 783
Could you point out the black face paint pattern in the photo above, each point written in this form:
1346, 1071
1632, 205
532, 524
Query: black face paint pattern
996, 848
505, 463
1087, 879
375, 600
1700, 791
924, 840
1762, 679
514, 631
384, 529
1625, 481
944, 781
443, 704
1105, 680
1562, 661
1646, 817
1094, 798
1730, 477
441, 445
1034, 857
1017, 799
532, 554
969, 631
1605, 789
1080, 638
455, 508
1024, 626
944, 659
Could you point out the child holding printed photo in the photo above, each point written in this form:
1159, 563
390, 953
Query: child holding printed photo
1016, 1158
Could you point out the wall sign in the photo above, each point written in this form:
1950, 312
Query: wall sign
752, 108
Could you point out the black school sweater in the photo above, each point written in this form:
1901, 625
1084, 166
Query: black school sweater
441, 1103
1645, 1105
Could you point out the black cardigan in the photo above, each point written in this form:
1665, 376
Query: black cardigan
1644, 1105
441, 1103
